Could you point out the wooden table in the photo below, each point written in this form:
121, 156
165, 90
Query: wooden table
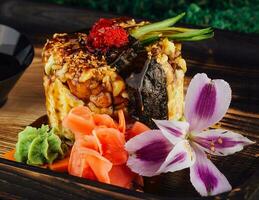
24, 105
231, 56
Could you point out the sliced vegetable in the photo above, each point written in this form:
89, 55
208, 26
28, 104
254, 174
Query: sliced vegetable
89, 141
100, 165
77, 165
192, 35
60, 165
172, 34
122, 121
112, 145
137, 129
176, 29
189, 34
9, 155
98, 152
197, 38
121, 175
80, 122
105, 120
137, 33
151, 33
88, 163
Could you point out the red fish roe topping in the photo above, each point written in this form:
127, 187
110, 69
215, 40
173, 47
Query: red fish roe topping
105, 33
102, 23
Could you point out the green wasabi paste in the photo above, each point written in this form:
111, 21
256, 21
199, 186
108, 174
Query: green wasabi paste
37, 146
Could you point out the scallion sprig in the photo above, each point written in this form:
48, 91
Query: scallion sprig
137, 33
152, 32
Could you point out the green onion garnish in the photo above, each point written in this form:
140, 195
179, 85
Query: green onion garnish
153, 32
137, 33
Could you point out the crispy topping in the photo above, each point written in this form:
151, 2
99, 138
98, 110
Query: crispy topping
70, 49
86, 74
167, 51
130, 23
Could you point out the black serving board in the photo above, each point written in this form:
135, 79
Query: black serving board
20, 180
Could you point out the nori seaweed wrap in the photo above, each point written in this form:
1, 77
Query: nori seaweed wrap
154, 82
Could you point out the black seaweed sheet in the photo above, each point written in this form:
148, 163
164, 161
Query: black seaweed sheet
145, 80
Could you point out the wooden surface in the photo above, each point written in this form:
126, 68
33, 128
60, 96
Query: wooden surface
25, 104
233, 57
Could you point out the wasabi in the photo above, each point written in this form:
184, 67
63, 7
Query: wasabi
37, 146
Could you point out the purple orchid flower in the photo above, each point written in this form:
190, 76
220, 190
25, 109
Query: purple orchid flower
178, 144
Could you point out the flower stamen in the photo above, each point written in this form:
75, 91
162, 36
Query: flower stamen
220, 141
212, 146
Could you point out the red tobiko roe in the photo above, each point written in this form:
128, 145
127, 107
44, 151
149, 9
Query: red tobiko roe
106, 33
103, 22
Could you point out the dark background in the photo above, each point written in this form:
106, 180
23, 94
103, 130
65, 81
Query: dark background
234, 15
229, 55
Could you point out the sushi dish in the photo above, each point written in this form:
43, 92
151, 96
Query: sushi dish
120, 64
117, 110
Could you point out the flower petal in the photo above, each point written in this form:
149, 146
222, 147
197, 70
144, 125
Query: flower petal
221, 142
181, 157
206, 101
147, 152
205, 176
174, 131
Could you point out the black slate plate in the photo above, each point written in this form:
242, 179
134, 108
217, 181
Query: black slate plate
20, 180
